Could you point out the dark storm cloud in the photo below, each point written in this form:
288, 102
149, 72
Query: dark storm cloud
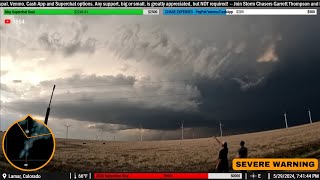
193, 57
244, 76
114, 112
273, 66
247, 83
156, 106
293, 85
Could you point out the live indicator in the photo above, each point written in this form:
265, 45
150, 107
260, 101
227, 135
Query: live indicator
7, 21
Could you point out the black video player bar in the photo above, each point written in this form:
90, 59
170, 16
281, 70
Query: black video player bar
160, 4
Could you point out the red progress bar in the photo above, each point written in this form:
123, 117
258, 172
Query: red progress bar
150, 175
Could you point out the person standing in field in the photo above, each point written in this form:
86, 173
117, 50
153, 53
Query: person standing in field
223, 164
243, 151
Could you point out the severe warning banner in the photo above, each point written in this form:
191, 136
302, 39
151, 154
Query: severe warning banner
159, 4
286, 164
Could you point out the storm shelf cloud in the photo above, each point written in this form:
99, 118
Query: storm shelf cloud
161, 72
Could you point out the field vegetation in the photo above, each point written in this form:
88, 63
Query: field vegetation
191, 155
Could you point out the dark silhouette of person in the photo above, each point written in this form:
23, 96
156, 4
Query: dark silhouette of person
223, 164
243, 151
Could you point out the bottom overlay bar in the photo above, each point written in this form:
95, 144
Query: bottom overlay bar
244, 176
254, 175
167, 175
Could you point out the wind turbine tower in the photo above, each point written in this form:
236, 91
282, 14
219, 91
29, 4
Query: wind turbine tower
220, 128
309, 112
67, 126
285, 119
141, 132
182, 130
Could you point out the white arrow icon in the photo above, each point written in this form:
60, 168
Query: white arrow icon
4, 175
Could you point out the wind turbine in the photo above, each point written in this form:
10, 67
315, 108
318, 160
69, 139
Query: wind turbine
141, 132
182, 130
48, 109
285, 119
309, 112
67, 126
220, 128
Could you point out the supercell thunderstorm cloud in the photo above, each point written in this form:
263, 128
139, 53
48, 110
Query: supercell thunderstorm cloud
114, 73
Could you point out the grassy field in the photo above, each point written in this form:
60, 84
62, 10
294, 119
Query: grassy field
194, 155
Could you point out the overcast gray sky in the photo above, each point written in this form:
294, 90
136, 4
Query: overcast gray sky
114, 72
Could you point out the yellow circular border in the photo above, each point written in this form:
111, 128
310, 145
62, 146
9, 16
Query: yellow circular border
28, 170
